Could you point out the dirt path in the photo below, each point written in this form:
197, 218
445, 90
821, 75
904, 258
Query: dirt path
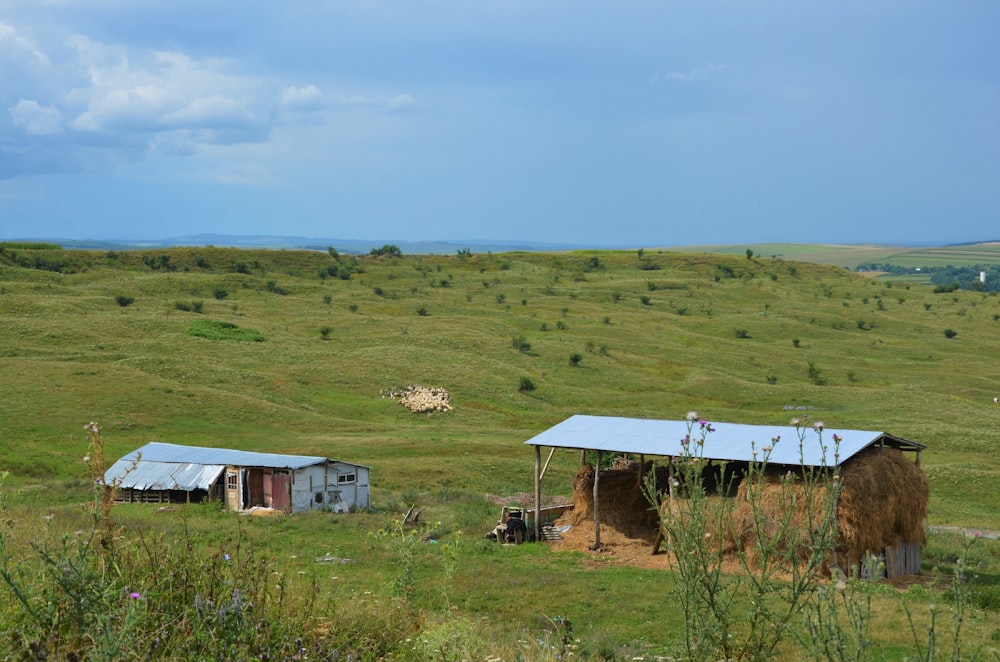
969, 532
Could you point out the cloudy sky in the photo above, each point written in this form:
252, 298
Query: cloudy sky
629, 123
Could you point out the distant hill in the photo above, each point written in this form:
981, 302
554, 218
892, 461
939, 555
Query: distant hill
349, 246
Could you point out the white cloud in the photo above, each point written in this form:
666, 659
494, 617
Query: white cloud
162, 90
698, 73
399, 102
302, 98
211, 111
11, 42
34, 118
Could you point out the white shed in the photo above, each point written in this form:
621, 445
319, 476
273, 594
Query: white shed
244, 480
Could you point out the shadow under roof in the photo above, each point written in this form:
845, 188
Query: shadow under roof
726, 441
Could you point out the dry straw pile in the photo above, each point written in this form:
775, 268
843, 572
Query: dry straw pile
883, 501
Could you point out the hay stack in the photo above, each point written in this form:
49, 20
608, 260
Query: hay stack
883, 501
623, 506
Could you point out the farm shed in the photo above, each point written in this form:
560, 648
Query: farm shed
171, 473
882, 502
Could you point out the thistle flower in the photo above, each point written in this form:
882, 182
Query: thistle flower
795, 421
692, 416
818, 426
134, 595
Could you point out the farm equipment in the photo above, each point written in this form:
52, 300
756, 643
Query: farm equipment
517, 524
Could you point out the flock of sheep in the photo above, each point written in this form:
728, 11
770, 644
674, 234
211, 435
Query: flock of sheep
420, 399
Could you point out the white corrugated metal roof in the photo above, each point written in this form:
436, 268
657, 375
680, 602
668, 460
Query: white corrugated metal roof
727, 441
174, 467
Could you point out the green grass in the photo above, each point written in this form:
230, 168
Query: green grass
69, 354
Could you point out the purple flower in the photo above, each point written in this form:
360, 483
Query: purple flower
225, 556
134, 595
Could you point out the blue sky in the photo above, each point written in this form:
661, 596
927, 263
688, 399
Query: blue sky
631, 123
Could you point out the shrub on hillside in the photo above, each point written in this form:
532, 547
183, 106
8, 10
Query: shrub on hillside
215, 330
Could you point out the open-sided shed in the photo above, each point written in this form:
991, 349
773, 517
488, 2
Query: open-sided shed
883, 496
172, 473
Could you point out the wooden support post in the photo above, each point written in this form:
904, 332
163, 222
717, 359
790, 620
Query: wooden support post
642, 469
538, 492
597, 516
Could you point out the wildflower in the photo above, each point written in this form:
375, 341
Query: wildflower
818, 426
703, 422
225, 557
837, 438
86, 458
692, 416
795, 421
767, 449
134, 595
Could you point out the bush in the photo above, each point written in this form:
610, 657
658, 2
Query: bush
520, 343
220, 293
274, 288
422, 311
124, 301
214, 330
325, 332
575, 358
741, 333
950, 333
526, 385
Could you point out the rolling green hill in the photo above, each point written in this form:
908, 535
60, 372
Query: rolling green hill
292, 351
116, 339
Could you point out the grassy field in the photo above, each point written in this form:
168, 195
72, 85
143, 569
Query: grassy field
850, 256
280, 351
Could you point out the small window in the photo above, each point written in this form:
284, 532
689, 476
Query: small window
232, 481
345, 478
319, 497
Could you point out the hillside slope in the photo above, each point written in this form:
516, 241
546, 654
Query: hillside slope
109, 337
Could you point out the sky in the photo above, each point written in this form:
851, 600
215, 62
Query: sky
632, 123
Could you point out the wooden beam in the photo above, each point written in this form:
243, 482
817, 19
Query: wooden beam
538, 490
597, 516
552, 452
